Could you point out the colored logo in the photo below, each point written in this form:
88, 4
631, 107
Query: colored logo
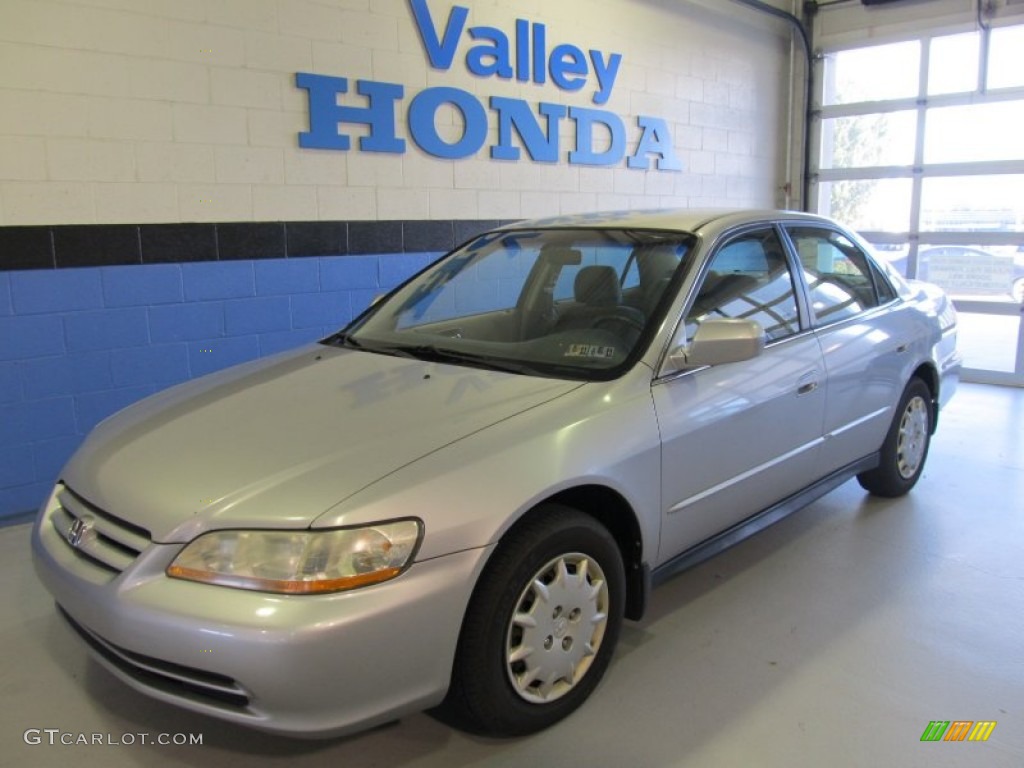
523, 55
958, 730
78, 530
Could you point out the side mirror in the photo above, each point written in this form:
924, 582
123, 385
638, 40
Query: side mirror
718, 342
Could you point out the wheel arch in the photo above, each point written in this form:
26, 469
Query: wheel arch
611, 509
926, 372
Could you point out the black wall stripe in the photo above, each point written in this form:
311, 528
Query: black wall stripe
175, 243
375, 237
85, 245
256, 240
92, 245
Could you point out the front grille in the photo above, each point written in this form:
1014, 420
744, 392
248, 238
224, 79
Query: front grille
96, 535
166, 676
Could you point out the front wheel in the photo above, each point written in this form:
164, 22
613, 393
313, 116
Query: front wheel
541, 626
906, 445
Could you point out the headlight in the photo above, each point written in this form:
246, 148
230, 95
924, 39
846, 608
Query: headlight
300, 562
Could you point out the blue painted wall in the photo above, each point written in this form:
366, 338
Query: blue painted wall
78, 344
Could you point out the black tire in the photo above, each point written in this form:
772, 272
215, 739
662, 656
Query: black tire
490, 696
906, 445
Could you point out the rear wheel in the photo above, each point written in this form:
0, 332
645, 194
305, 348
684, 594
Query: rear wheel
906, 445
541, 627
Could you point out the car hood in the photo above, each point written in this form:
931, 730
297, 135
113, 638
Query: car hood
277, 442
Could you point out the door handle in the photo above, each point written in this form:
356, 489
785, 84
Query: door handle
807, 383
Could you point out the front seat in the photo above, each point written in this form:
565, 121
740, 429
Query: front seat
599, 304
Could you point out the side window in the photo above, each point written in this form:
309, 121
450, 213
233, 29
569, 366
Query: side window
883, 287
749, 279
837, 273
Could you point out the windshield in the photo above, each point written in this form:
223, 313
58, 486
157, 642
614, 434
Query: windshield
578, 303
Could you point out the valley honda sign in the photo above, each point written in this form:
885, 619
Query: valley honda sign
524, 55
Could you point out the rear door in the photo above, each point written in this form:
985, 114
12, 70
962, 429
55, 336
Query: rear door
864, 340
736, 438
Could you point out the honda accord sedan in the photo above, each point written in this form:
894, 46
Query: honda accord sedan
456, 500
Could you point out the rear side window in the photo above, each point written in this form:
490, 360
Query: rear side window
883, 287
839, 276
748, 278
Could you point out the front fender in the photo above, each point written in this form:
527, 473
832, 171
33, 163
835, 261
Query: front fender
471, 492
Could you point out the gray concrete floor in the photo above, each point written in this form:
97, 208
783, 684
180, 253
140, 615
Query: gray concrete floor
833, 638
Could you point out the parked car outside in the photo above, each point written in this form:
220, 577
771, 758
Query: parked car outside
965, 271
458, 499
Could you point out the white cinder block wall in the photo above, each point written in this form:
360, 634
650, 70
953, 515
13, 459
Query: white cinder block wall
150, 111
159, 220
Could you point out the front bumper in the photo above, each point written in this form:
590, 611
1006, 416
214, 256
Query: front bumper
316, 665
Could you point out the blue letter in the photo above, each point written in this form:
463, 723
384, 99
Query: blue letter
655, 141
606, 74
421, 122
499, 53
539, 52
522, 50
515, 113
586, 119
325, 114
568, 60
323, 103
440, 52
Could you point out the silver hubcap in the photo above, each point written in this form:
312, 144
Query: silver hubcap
913, 437
557, 628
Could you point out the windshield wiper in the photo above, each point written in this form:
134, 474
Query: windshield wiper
430, 353
342, 339
434, 354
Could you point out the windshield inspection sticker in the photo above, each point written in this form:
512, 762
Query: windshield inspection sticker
590, 351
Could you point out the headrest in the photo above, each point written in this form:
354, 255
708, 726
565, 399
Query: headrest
597, 286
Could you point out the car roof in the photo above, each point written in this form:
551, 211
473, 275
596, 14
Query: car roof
682, 219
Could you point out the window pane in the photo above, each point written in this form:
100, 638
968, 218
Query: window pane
868, 140
615, 256
1006, 58
971, 272
953, 64
988, 342
973, 204
896, 254
837, 274
879, 205
974, 132
475, 285
749, 279
883, 287
873, 74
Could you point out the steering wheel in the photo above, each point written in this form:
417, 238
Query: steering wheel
619, 321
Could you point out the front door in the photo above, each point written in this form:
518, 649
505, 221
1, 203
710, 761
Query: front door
737, 438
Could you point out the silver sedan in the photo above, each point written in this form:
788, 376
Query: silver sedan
458, 499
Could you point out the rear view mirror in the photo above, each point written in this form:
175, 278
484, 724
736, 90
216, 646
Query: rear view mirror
560, 255
718, 342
